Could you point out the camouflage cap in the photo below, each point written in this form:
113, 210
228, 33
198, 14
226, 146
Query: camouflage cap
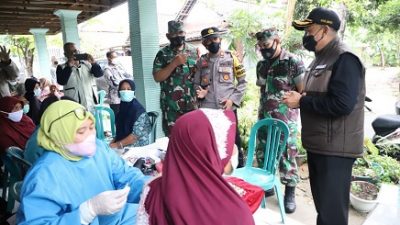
266, 34
175, 26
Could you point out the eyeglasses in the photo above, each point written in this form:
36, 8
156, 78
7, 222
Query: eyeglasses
80, 113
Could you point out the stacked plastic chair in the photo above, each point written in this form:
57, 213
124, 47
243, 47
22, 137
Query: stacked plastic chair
99, 111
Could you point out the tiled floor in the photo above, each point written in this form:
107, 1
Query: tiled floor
270, 217
388, 210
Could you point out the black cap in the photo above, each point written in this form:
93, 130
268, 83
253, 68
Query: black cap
210, 32
321, 16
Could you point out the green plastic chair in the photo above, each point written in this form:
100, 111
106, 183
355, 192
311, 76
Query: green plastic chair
16, 167
16, 190
102, 94
153, 119
99, 111
266, 177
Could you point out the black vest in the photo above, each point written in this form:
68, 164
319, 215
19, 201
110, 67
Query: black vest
337, 136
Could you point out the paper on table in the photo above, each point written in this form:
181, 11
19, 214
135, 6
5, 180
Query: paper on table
154, 151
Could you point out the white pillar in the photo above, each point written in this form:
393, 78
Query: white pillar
39, 35
69, 25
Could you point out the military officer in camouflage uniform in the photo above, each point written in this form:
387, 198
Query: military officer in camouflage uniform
174, 67
279, 72
215, 78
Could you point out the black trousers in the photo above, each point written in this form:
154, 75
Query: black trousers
330, 178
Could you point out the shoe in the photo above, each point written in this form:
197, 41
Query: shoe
289, 199
269, 193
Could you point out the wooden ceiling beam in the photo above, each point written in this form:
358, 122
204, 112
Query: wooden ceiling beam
28, 23
36, 15
27, 16
19, 6
42, 11
18, 16
14, 10
98, 3
24, 31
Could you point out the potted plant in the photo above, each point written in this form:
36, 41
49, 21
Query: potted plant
389, 145
363, 195
365, 170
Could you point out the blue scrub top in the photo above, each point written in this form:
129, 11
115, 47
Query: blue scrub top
55, 187
32, 150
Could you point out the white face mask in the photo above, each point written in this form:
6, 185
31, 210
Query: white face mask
13, 83
15, 116
86, 148
37, 92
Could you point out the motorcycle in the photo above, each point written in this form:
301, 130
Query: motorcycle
387, 132
386, 141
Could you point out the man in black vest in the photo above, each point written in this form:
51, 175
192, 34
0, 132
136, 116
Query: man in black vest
332, 114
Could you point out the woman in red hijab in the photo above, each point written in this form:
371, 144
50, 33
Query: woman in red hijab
192, 189
15, 127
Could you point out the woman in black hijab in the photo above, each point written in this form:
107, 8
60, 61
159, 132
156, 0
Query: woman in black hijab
32, 88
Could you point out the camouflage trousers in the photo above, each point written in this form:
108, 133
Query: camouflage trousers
288, 170
168, 120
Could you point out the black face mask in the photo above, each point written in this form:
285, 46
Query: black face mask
177, 41
309, 42
268, 53
214, 47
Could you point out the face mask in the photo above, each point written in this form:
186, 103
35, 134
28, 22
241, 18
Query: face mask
15, 116
86, 148
177, 41
114, 61
26, 109
214, 47
37, 92
309, 42
13, 83
268, 53
127, 95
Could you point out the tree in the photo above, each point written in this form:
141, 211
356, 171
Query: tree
291, 5
242, 25
378, 20
389, 15
23, 46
